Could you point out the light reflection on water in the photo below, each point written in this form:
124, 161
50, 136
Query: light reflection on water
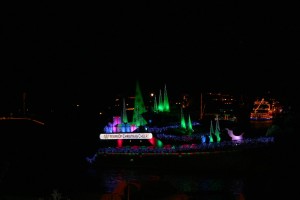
245, 186
186, 183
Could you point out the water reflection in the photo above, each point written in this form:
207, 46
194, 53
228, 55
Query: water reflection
191, 184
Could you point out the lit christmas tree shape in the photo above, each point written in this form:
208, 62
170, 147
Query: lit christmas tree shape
139, 108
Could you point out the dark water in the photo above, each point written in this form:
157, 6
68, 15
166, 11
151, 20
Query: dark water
34, 169
78, 183
192, 184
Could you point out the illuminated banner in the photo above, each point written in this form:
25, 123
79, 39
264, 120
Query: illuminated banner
125, 136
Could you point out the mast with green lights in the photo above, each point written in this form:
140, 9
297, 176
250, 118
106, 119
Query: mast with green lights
155, 109
182, 121
218, 130
211, 132
166, 101
190, 126
160, 103
124, 114
139, 108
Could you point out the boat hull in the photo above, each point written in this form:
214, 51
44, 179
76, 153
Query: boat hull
252, 159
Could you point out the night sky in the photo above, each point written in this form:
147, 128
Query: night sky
83, 51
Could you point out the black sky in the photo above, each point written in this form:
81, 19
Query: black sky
85, 49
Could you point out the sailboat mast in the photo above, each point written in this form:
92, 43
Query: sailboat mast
201, 107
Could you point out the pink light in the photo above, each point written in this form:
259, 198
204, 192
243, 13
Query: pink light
116, 120
234, 137
119, 143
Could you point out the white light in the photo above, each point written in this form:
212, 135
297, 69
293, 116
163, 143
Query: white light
126, 136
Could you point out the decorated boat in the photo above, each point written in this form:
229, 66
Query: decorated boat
264, 109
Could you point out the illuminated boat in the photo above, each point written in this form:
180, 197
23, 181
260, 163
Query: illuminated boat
163, 142
263, 110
